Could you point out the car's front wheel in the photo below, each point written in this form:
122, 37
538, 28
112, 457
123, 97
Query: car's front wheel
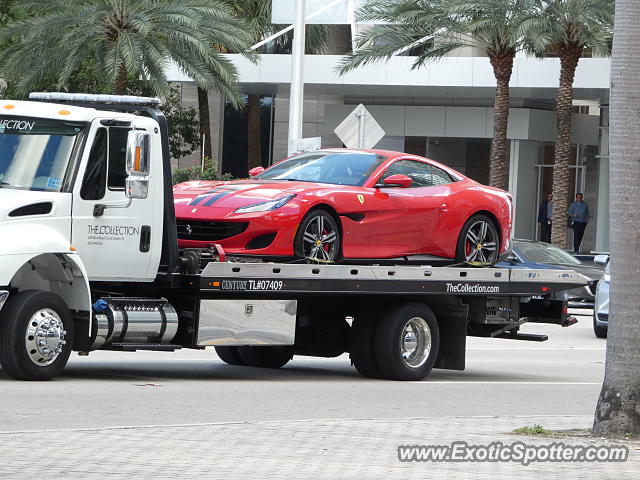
318, 237
478, 241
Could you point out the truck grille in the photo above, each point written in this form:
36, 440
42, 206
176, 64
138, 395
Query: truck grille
209, 231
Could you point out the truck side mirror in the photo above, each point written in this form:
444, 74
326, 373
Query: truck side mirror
138, 153
137, 182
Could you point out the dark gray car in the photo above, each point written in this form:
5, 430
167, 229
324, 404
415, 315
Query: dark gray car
532, 254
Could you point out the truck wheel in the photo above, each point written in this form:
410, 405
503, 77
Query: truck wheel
266, 357
601, 332
407, 341
36, 335
361, 344
229, 355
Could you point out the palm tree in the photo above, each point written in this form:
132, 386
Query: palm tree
618, 409
124, 39
568, 28
432, 29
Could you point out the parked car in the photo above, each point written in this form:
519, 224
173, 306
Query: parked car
533, 254
338, 204
601, 308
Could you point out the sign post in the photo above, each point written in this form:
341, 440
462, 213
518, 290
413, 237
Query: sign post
296, 95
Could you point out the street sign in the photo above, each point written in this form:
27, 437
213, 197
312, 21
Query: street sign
360, 129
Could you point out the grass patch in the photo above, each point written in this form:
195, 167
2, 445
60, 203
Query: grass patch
532, 430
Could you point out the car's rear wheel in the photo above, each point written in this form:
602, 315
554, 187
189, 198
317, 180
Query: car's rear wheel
478, 241
318, 237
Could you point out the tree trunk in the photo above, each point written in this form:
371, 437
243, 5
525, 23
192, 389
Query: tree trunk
618, 409
569, 57
205, 121
499, 163
254, 140
121, 84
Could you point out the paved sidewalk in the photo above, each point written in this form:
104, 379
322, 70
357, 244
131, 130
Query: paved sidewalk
334, 449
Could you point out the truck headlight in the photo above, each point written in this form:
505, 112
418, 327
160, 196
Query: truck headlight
265, 206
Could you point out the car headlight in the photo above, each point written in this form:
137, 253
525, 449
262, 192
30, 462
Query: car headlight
265, 206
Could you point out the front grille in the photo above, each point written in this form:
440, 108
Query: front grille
209, 231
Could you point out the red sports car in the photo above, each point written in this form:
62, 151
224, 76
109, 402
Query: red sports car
348, 205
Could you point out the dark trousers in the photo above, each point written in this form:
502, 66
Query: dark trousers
578, 233
545, 231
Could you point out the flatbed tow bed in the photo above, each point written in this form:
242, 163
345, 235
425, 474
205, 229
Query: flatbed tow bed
396, 322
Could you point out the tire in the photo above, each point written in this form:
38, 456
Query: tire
266, 357
229, 355
472, 251
304, 245
37, 312
397, 326
601, 332
361, 344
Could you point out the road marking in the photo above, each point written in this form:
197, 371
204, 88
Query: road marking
471, 382
536, 348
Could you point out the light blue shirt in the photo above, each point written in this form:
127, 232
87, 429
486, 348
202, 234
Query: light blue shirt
580, 210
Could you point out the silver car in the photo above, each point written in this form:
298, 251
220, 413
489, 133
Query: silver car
601, 307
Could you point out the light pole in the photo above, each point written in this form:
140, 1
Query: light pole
296, 95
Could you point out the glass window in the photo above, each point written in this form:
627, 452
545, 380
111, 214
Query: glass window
117, 158
338, 168
422, 174
35, 152
95, 176
544, 253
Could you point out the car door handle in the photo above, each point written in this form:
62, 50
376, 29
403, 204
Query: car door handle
444, 208
145, 238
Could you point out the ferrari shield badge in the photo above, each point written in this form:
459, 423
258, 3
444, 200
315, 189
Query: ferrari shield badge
361, 199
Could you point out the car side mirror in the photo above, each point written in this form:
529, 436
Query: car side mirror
254, 172
396, 181
601, 259
512, 258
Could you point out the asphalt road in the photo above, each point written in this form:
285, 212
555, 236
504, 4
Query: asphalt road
503, 377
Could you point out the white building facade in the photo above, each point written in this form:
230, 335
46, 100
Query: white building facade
442, 111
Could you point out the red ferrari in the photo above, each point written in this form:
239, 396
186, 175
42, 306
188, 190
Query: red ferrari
348, 205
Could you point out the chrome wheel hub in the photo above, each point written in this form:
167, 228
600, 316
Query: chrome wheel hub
320, 240
45, 337
415, 342
481, 243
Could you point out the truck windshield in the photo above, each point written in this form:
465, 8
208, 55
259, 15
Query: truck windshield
35, 152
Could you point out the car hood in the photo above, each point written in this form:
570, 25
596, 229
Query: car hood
236, 194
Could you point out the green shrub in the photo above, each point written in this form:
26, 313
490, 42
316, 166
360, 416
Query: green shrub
195, 172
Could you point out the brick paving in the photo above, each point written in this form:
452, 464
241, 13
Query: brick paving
334, 449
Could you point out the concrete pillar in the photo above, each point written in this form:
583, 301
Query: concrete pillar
522, 186
602, 219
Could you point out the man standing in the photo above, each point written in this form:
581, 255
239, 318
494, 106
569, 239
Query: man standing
545, 213
579, 215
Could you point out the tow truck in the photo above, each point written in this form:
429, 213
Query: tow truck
89, 260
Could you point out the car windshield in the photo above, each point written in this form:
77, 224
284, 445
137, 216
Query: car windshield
338, 168
35, 152
545, 253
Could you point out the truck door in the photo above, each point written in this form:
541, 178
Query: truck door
119, 242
